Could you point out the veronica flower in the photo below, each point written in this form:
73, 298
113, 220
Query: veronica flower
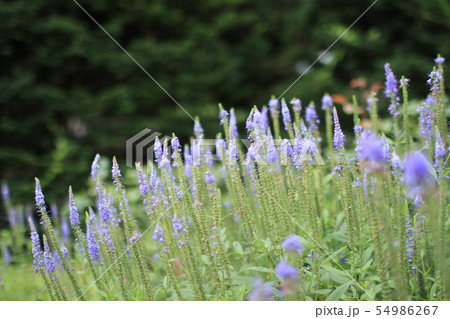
261, 291
165, 161
73, 210
264, 118
92, 245
39, 195
416, 171
391, 82
95, 168
296, 104
116, 171
144, 188
439, 149
391, 90
426, 121
104, 208
311, 117
223, 114
286, 115
209, 178
176, 223
327, 102
5, 192
48, 258
371, 102
136, 236
232, 152
198, 129
410, 239
292, 243
434, 80
157, 149
175, 143
386, 151
273, 105
158, 236
370, 148
188, 162
339, 138
439, 60
220, 146
36, 250
272, 153
308, 145
233, 123
65, 252
209, 157
286, 271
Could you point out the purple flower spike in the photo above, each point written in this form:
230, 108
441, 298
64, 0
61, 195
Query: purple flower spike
144, 188
175, 143
426, 121
233, 123
37, 252
326, 102
95, 169
116, 170
209, 178
286, 271
198, 129
48, 258
39, 195
273, 104
286, 115
370, 148
293, 244
439, 60
261, 291
417, 171
222, 116
296, 104
391, 82
439, 150
176, 224
74, 216
158, 150
311, 117
5, 192
158, 234
136, 236
92, 245
339, 138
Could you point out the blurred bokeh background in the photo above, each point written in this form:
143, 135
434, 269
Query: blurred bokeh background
68, 92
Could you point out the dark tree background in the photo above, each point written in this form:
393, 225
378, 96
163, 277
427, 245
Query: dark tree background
67, 91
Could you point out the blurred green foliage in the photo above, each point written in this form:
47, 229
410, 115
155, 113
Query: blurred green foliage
67, 91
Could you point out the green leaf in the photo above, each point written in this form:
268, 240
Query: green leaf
238, 248
433, 291
256, 268
339, 291
205, 259
336, 275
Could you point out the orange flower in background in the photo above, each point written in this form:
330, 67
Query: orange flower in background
347, 106
359, 82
